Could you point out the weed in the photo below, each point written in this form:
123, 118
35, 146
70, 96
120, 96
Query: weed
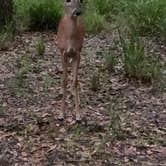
38, 15
25, 64
1, 108
48, 81
159, 85
154, 139
110, 61
147, 17
115, 122
29, 128
40, 47
22, 14
70, 145
6, 36
136, 63
102, 7
94, 22
29, 146
95, 81
17, 84
45, 15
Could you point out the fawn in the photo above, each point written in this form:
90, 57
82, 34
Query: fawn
70, 38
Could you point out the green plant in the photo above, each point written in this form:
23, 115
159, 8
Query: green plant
37, 15
25, 64
6, 36
160, 85
110, 61
17, 84
40, 47
136, 63
1, 108
48, 81
102, 7
94, 22
45, 15
95, 81
22, 13
115, 121
147, 17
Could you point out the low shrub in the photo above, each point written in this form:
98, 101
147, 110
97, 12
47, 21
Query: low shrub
95, 81
6, 36
147, 17
103, 7
94, 22
110, 61
136, 63
37, 15
40, 47
45, 15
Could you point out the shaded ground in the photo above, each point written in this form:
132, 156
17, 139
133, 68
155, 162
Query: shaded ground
124, 122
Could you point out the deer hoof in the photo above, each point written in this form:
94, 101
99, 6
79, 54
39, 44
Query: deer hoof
72, 91
78, 121
61, 117
78, 118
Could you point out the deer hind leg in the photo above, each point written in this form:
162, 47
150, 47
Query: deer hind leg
76, 62
64, 86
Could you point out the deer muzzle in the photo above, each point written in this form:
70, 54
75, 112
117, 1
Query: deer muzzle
77, 12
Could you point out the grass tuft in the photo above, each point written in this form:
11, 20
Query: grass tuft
110, 61
6, 36
136, 63
40, 47
37, 15
95, 81
94, 22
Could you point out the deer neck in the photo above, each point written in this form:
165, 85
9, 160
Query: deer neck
72, 26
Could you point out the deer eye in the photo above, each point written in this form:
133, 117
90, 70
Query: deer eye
68, 1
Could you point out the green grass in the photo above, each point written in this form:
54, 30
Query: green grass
37, 15
48, 81
95, 81
110, 61
136, 63
18, 85
40, 47
45, 15
115, 125
6, 36
147, 17
1, 108
102, 7
94, 22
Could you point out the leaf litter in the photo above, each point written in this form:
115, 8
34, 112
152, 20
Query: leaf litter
124, 122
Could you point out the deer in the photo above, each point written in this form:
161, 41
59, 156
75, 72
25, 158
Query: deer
70, 37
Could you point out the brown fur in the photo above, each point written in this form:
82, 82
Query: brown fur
70, 36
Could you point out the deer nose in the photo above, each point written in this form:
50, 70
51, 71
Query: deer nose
77, 12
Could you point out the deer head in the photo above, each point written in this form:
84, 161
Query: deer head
73, 7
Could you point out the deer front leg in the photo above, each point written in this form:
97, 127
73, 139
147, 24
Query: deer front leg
64, 87
76, 62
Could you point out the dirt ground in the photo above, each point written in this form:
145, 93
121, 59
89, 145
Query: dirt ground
124, 122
